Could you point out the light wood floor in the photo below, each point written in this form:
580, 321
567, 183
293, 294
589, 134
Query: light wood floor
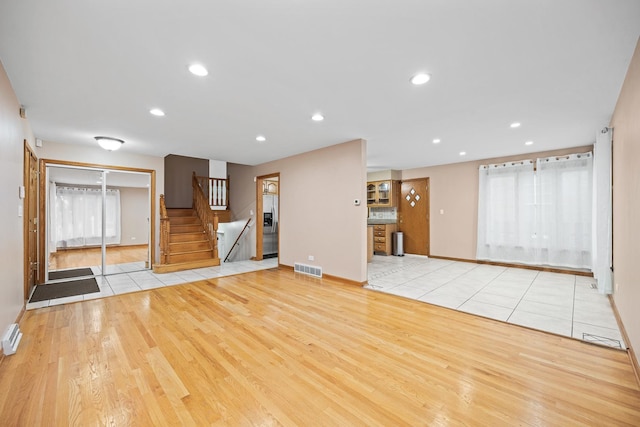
267, 348
87, 257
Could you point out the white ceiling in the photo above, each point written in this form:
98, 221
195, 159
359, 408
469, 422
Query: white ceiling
85, 68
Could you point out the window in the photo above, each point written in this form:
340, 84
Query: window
537, 217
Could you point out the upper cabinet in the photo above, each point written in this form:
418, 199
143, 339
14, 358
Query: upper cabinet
270, 187
382, 193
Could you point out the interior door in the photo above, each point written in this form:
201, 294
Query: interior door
31, 220
414, 216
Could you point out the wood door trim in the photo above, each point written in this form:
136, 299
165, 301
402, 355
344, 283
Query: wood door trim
42, 203
259, 214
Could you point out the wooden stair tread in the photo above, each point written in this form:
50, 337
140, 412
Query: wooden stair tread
188, 242
195, 251
187, 265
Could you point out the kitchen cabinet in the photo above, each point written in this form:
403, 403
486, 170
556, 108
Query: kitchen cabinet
269, 187
369, 243
382, 238
382, 193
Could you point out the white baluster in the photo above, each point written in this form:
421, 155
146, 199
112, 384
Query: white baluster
224, 193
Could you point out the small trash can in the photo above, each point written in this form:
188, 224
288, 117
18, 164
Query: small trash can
398, 245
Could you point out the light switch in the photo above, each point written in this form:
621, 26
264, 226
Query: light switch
20, 210
441, 211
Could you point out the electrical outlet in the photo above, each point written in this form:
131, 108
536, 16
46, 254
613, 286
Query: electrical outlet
311, 258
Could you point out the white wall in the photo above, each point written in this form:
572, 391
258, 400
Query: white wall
317, 213
626, 202
13, 131
134, 207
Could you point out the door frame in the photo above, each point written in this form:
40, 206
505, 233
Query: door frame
42, 225
260, 214
29, 156
428, 197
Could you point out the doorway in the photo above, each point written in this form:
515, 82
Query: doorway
96, 220
267, 216
414, 216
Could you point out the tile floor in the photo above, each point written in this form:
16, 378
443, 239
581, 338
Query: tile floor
131, 279
564, 304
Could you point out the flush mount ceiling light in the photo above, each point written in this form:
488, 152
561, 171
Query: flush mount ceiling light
198, 70
261, 138
157, 112
317, 117
514, 125
108, 143
436, 141
528, 143
420, 78
463, 153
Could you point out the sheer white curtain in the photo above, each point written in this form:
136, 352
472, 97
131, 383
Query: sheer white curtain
542, 217
506, 213
564, 192
78, 216
602, 211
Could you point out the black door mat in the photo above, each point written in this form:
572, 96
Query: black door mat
66, 274
65, 289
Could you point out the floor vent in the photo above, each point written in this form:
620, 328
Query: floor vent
307, 269
11, 339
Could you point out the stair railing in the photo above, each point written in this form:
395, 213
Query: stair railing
215, 190
237, 242
207, 216
165, 231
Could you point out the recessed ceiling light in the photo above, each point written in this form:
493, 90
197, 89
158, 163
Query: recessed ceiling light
436, 141
420, 78
528, 143
514, 125
198, 70
157, 112
463, 153
260, 138
317, 117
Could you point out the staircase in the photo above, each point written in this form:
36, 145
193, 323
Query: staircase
188, 244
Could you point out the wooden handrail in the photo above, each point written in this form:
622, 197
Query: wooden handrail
207, 216
215, 190
237, 240
165, 231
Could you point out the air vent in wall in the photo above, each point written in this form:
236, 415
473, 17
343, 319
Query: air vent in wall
11, 339
307, 269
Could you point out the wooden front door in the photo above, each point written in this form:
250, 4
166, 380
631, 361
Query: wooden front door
414, 216
30, 209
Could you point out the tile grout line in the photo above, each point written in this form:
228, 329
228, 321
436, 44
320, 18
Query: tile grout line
522, 297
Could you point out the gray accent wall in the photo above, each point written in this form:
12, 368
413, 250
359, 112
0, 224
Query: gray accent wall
177, 179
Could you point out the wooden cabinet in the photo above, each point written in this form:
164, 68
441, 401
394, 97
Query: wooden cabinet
382, 193
369, 243
382, 239
269, 187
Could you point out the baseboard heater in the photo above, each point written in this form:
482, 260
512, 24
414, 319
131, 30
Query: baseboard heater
307, 269
11, 339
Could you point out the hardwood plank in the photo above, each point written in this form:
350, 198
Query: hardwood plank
272, 347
